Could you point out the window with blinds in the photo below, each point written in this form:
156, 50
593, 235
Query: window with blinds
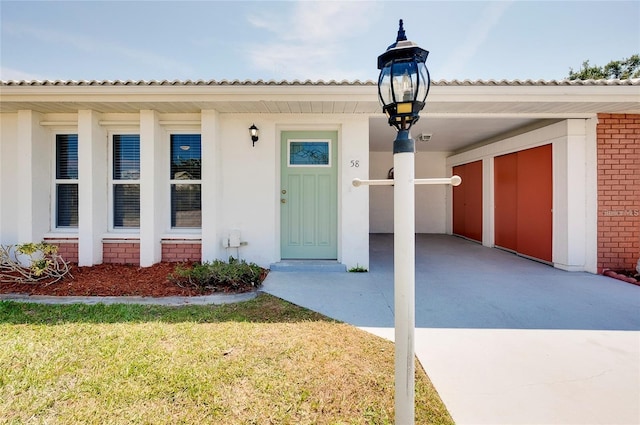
66, 181
125, 181
185, 181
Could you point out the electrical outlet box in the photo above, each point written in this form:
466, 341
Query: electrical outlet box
234, 238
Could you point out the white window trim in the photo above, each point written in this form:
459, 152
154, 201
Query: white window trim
184, 237
72, 231
133, 232
187, 231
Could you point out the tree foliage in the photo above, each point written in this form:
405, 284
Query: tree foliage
621, 69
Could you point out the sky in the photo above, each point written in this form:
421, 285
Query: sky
308, 40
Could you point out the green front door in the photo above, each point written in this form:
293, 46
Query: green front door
308, 195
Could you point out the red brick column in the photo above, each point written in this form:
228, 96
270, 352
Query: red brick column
67, 248
618, 191
121, 251
177, 251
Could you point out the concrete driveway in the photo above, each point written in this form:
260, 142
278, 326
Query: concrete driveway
505, 340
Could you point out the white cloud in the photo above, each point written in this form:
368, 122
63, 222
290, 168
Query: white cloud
86, 44
7, 74
476, 35
310, 41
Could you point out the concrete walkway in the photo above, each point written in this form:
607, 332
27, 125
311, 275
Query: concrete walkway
166, 301
505, 340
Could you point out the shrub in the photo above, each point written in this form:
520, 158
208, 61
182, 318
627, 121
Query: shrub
235, 275
31, 263
358, 269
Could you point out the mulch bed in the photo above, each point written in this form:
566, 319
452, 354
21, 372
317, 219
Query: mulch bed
628, 276
112, 280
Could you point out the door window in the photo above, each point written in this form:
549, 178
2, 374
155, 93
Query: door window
306, 153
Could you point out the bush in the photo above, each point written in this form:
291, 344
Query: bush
233, 276
358, 269
31, 263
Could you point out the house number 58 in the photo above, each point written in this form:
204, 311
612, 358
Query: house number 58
355, 163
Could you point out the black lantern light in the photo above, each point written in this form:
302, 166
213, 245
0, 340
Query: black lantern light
403, 83
253, 132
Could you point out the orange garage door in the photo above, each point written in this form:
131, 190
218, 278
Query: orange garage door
523, 202
467, 201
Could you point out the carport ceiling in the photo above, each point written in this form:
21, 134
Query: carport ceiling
448, 134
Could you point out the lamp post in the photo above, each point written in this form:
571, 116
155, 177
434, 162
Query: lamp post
403, 86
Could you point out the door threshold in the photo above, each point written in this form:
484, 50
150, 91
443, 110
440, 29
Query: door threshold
308, 266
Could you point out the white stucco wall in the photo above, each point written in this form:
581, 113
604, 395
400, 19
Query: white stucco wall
430, 199
353, 203
240, 182
250, 183
33, 177
380, 197
248, 187
9, 182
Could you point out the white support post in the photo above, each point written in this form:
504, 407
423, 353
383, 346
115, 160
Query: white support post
211, 165
151, 180
93, 175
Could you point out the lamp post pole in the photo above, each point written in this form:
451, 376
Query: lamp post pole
404, 271
404, 276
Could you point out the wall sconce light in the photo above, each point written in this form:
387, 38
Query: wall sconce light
253, 131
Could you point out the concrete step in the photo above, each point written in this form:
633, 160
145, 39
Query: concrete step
308, 266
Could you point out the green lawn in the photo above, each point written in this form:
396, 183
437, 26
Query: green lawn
263, 361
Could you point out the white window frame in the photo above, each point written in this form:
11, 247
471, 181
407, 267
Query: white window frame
112, 182
185, 230
61, 131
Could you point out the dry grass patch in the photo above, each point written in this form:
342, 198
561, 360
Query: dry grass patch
159, 371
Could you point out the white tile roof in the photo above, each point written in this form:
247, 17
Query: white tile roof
632, 82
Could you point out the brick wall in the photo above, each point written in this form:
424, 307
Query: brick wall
67, 248
121, 252
181, 251
618, 191
128, 252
